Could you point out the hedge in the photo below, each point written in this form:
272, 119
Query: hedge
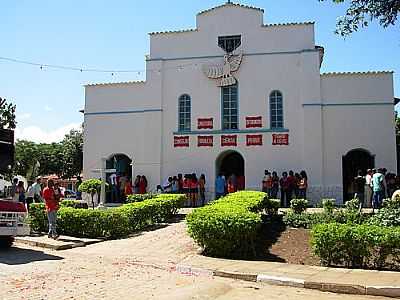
357, 245
228, 227
109, 223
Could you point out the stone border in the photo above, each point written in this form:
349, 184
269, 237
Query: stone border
355, 289
67, 245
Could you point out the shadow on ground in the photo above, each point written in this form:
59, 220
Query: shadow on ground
271, 230
21, 256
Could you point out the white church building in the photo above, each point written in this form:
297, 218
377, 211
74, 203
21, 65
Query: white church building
236, 95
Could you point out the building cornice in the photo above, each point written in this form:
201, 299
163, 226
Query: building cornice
233, 131
115, 83
306, 23
329, 74
230, 4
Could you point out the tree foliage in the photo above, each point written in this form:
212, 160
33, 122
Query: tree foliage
7, 115
63, 159
361, 12
72, 152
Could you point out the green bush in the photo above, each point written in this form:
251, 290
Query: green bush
352, 205
298, 205
386, 217
392, 203
328, 205
356, 245
109, 223
272, 206
73, 204
228, 227
139, 197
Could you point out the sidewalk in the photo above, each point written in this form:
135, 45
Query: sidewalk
347, 281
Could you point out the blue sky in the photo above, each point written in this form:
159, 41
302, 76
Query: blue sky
113, 35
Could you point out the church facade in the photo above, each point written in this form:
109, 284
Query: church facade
235, 95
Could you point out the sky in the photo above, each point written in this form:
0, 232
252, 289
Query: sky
105, 34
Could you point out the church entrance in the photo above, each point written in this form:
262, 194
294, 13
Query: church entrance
354, 160
123, 166
230, 163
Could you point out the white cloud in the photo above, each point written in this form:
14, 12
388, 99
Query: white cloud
38, 135
24, 116
47, 108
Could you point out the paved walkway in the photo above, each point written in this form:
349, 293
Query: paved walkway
145, 266
350, 281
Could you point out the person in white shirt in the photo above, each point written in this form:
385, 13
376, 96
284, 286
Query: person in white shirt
368, 188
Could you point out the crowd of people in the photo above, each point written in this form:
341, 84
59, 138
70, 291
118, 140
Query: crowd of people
371, 189
121, 186
188, 184
51, 195
291, 185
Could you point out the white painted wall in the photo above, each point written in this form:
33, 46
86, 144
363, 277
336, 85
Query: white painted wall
287, 61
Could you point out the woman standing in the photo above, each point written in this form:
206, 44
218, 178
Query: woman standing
142, 185
303, 185
20, 191
136, 185
275, 185
194, 188
202, 189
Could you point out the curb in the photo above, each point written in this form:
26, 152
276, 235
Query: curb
340, 288
67, 246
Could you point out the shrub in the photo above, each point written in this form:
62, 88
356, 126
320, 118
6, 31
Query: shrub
73, 204
392, 203
328, 205
352, 205
272, 206
139, 197
228, 227
386, 217
298, 205
356, 245
91, 186
109, 223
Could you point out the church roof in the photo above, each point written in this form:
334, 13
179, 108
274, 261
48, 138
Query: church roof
290, 24
356, 73
229, 4
115, 83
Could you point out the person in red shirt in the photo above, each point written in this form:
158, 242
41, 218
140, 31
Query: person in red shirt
51, 202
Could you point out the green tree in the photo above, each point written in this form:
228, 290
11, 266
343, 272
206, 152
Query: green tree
7, 115
361, 12
90, 186
26, 158
50, 158
72, 153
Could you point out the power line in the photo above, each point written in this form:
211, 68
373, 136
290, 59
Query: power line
43, 66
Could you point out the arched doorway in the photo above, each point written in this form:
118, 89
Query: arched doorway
123, 166
230, 163
354, 160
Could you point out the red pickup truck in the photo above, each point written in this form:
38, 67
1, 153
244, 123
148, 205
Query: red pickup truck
12, 221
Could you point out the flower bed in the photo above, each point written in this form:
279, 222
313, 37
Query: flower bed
228, 227
109, 223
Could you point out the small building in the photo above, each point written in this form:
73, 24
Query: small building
236, 95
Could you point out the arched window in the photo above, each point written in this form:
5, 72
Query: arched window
184, 113
229, 96
276, 109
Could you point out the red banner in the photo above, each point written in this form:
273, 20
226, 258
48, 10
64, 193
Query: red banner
228, 140
181, 141
280, 139
254, 122
205, 141
254, 140
205, 123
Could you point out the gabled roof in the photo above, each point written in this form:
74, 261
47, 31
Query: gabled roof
227, 4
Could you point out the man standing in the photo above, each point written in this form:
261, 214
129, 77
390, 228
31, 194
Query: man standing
14, 190
51, 208
78, 183
220, 185
359, 183
37, 190
377, 187
368, 188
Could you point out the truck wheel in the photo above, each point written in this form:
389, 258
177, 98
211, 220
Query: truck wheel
6, 241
